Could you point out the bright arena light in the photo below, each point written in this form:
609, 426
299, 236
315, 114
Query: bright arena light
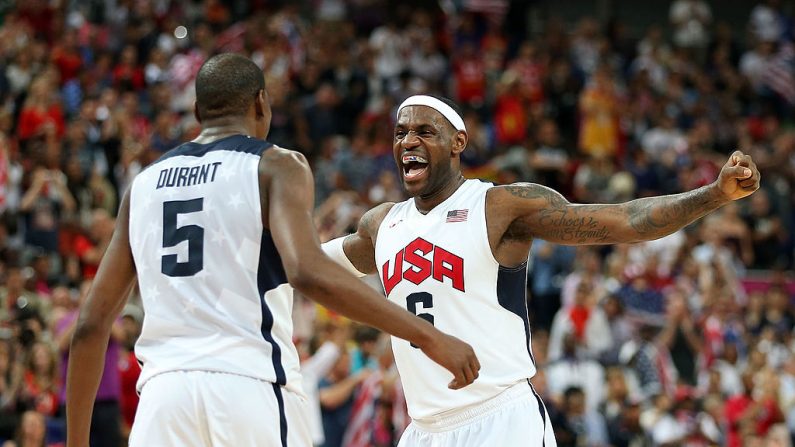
180, 32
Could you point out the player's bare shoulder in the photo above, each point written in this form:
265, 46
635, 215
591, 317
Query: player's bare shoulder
527, 193
507, 203
287, 167
278, 159
371, 220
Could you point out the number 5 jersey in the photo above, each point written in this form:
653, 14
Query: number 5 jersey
213, 287
440, 266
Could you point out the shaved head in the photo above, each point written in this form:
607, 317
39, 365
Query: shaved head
227, 85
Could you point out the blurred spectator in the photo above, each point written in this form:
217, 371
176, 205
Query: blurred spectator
679, 337
106, 418
129, 368
691, 19
11, 371
625, 429
363, 354
767, 23
575, 369
548, 264
90, 248
578, 425
44, 203
767, 232
31, 432
585, 320
41, 381
318, 356
599, 107
41, 115
336, 391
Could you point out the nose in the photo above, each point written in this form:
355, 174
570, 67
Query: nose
410, 140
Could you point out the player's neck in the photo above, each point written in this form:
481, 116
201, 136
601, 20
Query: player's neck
223, 127
428, 202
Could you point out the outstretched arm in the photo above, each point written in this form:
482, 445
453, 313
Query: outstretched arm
356, 252
287, 188
90, 340
542, 212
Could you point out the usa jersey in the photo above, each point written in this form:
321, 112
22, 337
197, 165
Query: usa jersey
440, 267
214, 291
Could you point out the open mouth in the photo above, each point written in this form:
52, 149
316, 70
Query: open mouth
414, 166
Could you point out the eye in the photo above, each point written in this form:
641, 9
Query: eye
426, 133
399, 135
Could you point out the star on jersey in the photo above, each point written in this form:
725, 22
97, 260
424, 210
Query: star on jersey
151, 228
218, 236
235, 200
141, 268
147, 202
152, 292
226, 174
175, 283
190, 306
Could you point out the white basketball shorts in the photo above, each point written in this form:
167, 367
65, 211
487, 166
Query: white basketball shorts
514, 418
200, 408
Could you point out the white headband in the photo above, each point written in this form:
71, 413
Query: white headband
446, 111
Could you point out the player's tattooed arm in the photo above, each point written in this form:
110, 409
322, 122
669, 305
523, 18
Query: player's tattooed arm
360, 246
538, 211
546, 214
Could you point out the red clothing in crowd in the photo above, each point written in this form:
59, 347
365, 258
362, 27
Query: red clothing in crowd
470, 80
32, 119
44, 401
68, 62
81, 245
129, 370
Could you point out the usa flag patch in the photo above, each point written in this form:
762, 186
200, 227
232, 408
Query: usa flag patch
457, 216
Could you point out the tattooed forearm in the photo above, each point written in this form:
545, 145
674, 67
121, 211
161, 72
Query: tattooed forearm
656, 217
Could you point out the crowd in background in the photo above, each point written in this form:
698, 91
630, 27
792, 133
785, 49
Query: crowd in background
687, 340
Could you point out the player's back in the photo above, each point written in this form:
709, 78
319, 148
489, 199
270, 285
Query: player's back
213, 287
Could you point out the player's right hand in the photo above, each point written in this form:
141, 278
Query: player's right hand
455, 356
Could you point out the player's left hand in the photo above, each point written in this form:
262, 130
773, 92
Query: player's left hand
739, 177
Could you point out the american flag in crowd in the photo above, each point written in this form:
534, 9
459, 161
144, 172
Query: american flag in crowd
457, 215
779, 74
362, 420
365, 427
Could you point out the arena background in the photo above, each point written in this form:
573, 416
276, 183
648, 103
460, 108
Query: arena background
683, 341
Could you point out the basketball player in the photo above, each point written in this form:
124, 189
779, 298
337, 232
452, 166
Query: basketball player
456, 254
215, 230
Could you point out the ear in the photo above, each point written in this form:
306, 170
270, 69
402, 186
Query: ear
460, 140
196, 112
259, 103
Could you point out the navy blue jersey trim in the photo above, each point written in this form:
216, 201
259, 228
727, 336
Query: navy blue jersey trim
277, 389
232, 143
270, 275
512, 295
542, 410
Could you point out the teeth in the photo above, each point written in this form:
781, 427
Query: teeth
413, 158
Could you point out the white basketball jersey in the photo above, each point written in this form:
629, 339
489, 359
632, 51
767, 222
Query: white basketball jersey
214, 291
440, 266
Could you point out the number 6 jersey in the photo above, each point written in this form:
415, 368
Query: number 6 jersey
213, 287
440, 266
